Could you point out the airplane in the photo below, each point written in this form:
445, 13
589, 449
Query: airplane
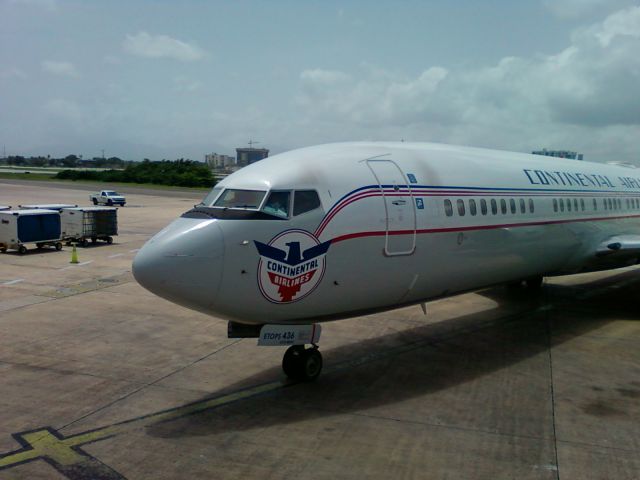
347, 229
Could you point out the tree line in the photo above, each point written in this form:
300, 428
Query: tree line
70, 161
181, 173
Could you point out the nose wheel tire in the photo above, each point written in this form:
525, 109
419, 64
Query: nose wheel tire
302, 364
534, 283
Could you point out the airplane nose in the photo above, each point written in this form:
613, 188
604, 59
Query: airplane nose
183, 263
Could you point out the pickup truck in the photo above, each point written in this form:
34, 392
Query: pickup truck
107, 197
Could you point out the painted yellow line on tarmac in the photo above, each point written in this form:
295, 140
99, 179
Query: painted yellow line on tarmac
48, 444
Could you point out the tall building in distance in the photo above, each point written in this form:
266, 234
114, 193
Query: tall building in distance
246, 156
559, 154
216, 161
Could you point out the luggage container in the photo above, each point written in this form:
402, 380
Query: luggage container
47, 206
19, 227
81, 224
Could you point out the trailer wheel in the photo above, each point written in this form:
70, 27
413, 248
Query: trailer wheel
84, 243
94, 239
95, 201
3, 249
39, 245
58, 246
110, 202
22, 249
109, 240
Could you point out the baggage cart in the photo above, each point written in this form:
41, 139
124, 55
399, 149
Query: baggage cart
21, 227
47, 206
81, 224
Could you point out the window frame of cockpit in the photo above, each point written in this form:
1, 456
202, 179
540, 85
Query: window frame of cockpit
289, 206
291, 203
267, 194
215, 197
257, 208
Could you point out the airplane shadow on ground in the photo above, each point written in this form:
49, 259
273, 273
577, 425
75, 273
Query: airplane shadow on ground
429, 359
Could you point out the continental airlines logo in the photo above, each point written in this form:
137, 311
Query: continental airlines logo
291, 266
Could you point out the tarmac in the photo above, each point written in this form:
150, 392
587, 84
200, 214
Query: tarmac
99, 379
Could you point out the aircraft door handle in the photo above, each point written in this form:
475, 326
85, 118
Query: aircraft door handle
399, 202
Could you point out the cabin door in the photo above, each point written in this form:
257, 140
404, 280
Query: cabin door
399, 207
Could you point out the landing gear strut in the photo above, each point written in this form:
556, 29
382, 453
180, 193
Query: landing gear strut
302, 364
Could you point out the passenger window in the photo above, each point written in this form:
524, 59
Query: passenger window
277, 204
582, 204
575, 204
448, 208
460, 207
523, 207
483, 206
568, 205
595, 204
305, 201
512, 204
494, 206
472, 207
561, 205
555, 205
606, 205
531, 206
619, 203
503, 206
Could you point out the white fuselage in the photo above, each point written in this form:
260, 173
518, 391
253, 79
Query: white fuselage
398, 223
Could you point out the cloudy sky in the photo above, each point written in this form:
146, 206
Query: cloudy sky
167, 79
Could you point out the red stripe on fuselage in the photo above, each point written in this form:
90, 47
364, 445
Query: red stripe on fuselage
350, 236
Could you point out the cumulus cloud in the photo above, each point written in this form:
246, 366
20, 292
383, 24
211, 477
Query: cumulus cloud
625, 23
378, 97
581, 97
161, 46
325, 77
64, 69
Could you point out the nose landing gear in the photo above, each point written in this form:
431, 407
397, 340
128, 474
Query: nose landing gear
299, 363
302, 364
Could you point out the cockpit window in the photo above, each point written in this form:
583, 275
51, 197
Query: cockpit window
277, 204
248, 199
305, 201
211, 196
